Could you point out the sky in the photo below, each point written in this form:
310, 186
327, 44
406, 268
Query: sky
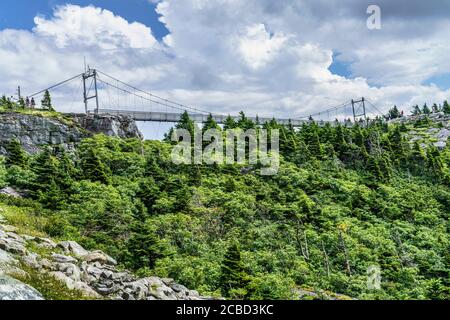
285, 58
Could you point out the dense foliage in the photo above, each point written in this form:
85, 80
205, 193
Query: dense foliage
345, 198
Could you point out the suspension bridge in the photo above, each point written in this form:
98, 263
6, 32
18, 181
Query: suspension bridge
105, 94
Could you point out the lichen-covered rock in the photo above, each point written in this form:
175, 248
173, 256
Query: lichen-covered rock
63, 259
99, 256
73, 248
10, 192
12, 289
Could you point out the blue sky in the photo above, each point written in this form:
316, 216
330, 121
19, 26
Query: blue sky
19, 14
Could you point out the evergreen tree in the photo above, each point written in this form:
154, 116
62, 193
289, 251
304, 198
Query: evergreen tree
233, 275
418, 158
446, 107
21, 103
6, 103
93, 168
244, 123
314, 145
229, 123
15, 154
426, 109
46, 102
416, 110
435, 163
145, 247
373, 167
397, 143
394, 113
45, 187
67, 170
210, 124
186, 123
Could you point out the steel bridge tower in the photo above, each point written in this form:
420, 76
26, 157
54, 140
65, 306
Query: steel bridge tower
89, 80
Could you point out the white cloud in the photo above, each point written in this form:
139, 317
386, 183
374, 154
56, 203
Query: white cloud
90, 26
258, 47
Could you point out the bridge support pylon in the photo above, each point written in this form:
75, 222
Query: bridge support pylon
359, 110
90, 74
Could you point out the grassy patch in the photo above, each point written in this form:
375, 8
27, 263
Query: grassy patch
42, 113
25, 221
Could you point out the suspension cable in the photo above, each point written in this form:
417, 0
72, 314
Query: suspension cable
56, 85
167, 101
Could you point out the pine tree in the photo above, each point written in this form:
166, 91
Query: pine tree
394, 113
244, 123
15, 154
45, 167
314, 145
418, 158
229, 123
435, 163
426, 109
46, 102
145, 247
416, 110
233, 275
45, 186
373, 167
67, 170
210, 124
93, 168
186, 123
446, 107
397, 143
21, 103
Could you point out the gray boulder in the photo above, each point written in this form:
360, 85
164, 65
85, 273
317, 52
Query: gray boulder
99, 256
11, 192
63, 259
73, 248
12, 289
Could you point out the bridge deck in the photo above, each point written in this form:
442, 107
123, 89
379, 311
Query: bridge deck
196, 117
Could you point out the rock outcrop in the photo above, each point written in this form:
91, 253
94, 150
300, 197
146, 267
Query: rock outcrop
437, 135
36, 131
110, 125
12, 289
92, 273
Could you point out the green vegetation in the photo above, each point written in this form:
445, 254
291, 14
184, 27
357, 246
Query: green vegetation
47, 110
344, 199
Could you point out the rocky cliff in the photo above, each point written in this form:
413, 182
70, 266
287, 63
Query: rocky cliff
37, 130
89, 274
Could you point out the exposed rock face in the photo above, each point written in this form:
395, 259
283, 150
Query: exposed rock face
36, 131
111, 125
92, 273
12, 289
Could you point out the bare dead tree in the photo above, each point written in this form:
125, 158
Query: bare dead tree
327, 263
300, 233
344, 249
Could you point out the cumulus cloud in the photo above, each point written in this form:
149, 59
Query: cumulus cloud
90, 26
264, 57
